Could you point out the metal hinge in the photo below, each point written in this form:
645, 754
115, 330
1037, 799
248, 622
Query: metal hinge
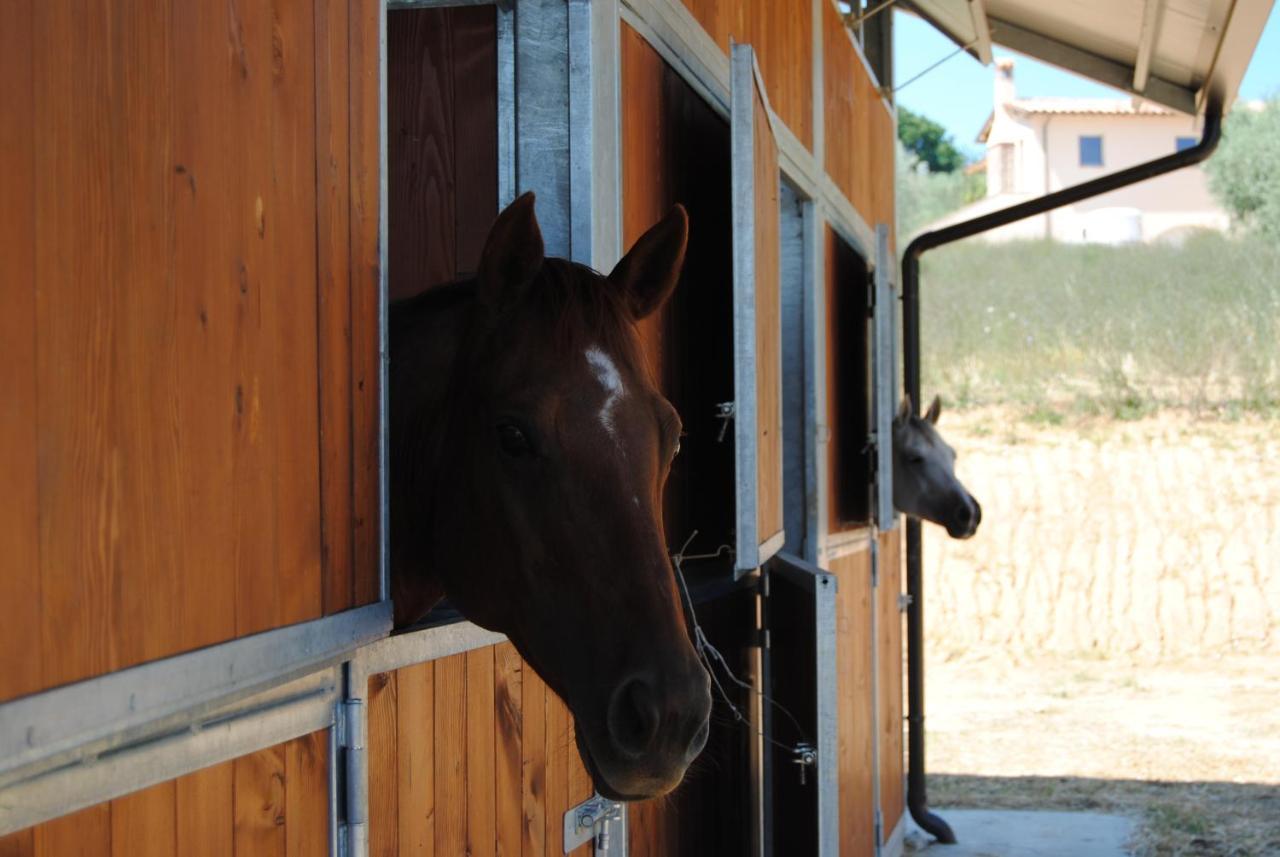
871, 292
904, 602
350, 724
596, 818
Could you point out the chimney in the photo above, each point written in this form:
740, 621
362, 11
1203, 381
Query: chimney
1004, 90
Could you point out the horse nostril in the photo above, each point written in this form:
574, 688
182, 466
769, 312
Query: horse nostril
633, 717
977, 514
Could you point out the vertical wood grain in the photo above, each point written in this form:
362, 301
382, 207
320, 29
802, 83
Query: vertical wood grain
255, 414
838, 93
203, 254
79, 473
307, 795
20, 844
293, 261
415, 767
533, 750
86, 833
333, 261
143, 823
781, 32
205, 821
420, 115
259, 804
646, 166
366, 275
558, 738
146, 550
768, 320
451, 763
508, 677
481, 832
856, 717
889, 629
20, 634
475, 138
384, 774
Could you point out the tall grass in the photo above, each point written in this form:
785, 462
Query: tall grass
1115, 330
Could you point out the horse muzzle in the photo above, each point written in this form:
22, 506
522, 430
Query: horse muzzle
966, 520
654, 727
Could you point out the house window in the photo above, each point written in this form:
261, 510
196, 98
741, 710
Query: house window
1184, 143
1090, 151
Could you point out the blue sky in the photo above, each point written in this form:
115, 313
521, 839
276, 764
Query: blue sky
957, 93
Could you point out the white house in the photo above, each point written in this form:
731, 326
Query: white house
1042, 144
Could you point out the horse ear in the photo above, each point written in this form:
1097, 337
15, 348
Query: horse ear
649, 272
935, 410
904, 410
512, 255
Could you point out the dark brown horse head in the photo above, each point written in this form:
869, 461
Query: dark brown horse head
543, 504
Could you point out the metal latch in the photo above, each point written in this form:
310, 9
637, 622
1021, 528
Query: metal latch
904, 602
805, 757
591, 819
725, 412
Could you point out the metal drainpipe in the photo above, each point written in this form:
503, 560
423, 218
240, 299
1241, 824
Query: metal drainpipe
917, 800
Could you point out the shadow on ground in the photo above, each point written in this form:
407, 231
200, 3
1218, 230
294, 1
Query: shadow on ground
1206, 819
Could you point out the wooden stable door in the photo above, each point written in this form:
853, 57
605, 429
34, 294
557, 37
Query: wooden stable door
802, 767
757, 316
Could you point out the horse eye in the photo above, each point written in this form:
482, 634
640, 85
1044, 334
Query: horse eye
915, 459
513, 440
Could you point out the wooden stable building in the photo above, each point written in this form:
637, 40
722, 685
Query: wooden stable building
205, 209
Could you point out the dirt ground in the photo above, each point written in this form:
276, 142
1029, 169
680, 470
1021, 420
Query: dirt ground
1111, 638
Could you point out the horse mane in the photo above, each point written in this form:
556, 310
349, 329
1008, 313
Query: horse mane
570, 298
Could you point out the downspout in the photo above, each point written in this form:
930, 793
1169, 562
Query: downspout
917, 800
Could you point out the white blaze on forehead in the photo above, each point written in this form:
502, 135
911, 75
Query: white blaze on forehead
611, 380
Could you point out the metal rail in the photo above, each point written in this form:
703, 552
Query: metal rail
917, 800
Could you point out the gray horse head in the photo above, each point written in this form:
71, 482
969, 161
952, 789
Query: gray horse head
924, 476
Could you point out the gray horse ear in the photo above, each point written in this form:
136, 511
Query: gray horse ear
512, 255
935, 411
649, 272
904, 410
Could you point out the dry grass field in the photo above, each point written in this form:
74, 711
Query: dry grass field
1110, 640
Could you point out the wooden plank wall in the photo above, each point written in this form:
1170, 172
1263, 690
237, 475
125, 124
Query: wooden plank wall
188, 242
768, 288
781, 31
442, 112
856, 715
470, 754
273, 803
858, 128
889, 630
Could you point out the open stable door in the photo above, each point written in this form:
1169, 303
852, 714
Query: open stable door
884, 375
757, 317
800, 623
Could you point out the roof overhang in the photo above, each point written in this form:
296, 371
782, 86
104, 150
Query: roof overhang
1174, 52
